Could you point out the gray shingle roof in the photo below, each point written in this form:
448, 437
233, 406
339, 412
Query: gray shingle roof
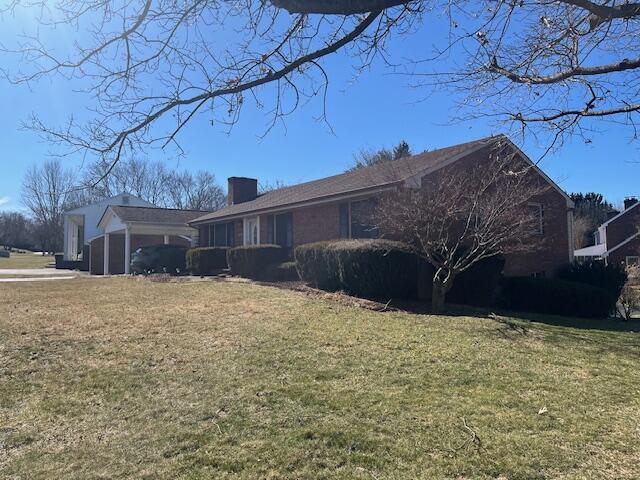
363, 179
158, 215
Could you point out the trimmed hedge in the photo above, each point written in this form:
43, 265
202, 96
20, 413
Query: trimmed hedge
366, 268
252, 261
282, 272
206, 260
611, 278
479, 284
553, 296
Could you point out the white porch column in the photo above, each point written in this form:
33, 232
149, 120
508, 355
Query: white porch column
106, 254
166, 239
127, 250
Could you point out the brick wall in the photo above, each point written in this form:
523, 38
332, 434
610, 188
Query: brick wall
116, 250
623, 227
631, 249
317, 223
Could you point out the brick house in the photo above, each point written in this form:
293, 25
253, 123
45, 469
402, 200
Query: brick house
334, 207
617, 241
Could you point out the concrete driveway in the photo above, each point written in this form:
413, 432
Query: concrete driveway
36, 274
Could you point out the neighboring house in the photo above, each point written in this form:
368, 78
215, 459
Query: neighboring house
126, 228
336, 207
618, 239
81, 224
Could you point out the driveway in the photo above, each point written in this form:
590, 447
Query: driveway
36, 274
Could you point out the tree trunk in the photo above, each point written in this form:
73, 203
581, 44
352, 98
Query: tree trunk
438, 295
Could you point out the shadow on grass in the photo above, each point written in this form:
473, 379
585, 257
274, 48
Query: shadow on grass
609, 324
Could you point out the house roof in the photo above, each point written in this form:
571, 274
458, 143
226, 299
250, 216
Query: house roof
116, 199
157, 215
622, 213
353, 182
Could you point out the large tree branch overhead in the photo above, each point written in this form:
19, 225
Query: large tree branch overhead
336, 7
153, 68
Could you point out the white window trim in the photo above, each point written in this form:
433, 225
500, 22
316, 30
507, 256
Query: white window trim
245, 222
632, 257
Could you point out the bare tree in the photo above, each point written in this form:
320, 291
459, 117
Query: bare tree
16, 230
461, 216
535, 64
143, 178
46, 193
582, 229
264, 187
196, 192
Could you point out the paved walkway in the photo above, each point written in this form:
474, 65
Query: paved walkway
35, 279
49, 272
36, 274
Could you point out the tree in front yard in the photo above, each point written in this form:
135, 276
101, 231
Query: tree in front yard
461, 216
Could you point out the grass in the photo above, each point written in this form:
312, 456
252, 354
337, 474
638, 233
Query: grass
123, 378
26, 260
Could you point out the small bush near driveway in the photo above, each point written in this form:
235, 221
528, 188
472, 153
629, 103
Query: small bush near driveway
207, 260
556, 297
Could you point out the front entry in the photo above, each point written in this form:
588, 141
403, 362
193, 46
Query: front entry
251, 231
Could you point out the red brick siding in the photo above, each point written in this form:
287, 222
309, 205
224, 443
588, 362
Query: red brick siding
317, 223
203, 236
631, 249
116, 250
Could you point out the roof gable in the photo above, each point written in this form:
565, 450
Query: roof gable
155, 215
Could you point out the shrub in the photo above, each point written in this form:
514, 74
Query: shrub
252, 261
365, 268
206, 260
479, 284
611, 278
315, 267
553, 296
282, 272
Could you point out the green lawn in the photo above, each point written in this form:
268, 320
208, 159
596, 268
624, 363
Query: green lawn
26, 260
123, 378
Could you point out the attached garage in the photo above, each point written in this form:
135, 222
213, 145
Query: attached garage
129, 228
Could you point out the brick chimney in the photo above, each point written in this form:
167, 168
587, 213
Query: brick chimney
629, 202
241, 189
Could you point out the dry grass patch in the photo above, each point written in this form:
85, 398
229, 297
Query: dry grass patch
118, 378
26, 260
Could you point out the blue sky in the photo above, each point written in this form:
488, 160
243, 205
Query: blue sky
377, 110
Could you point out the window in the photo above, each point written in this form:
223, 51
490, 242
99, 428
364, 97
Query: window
633, 260
221, 234
541, 274
537, 212
280, 229
356, 219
